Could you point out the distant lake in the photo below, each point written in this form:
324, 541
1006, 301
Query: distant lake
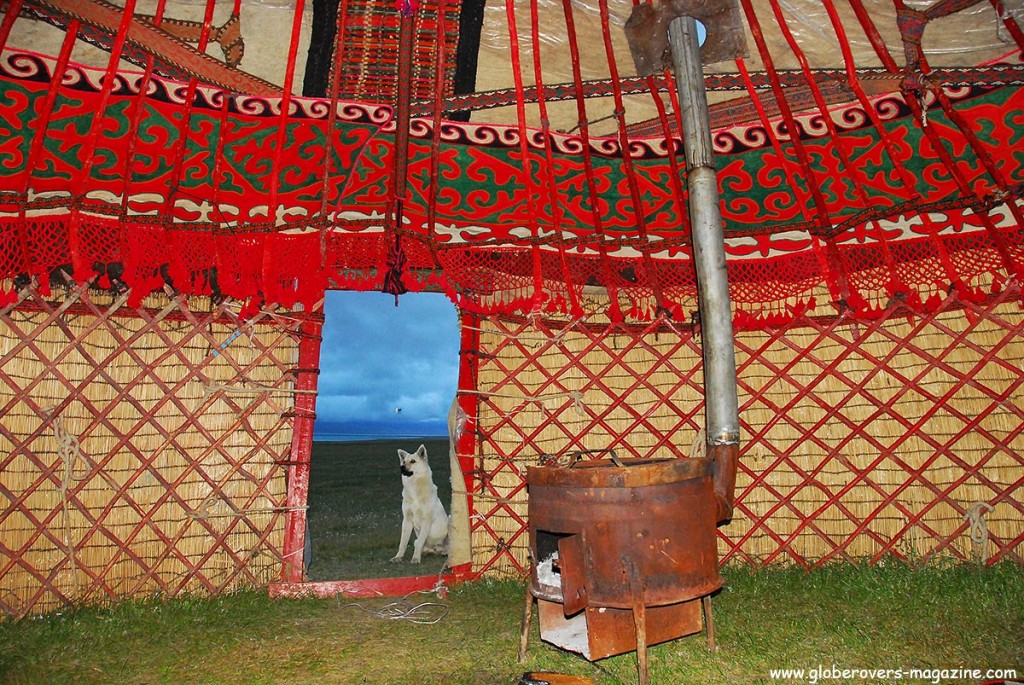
354, 437
352, 431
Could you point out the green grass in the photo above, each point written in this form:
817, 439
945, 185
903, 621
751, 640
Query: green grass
355, 508
891, 616
886, 616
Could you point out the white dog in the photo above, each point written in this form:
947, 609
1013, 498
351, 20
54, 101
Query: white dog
422, 510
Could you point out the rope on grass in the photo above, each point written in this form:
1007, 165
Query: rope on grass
979, 530
424, 613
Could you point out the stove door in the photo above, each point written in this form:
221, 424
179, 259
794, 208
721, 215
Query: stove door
574, 573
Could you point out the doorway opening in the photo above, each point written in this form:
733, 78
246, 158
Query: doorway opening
388, 376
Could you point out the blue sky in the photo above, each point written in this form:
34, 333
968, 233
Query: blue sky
386, 369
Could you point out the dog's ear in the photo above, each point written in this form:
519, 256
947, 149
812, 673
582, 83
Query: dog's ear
422, 452
402, 454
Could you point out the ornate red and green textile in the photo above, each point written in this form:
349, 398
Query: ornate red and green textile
180, 191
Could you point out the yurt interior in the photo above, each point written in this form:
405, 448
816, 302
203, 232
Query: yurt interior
736, 370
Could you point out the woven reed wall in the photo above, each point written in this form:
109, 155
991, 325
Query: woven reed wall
140, 450
859, 441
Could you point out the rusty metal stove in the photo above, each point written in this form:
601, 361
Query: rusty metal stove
624, 554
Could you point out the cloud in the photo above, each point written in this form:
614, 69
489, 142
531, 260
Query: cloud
379, 362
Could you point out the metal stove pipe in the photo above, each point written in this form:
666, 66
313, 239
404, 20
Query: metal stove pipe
721, 404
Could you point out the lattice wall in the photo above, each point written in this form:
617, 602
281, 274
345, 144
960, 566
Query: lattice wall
859, 441
141, 450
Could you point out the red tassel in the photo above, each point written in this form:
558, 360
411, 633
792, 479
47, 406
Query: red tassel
395, 268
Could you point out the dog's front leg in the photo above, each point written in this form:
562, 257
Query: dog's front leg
421, 539
406, 533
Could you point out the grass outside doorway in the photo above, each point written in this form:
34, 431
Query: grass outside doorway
355, 508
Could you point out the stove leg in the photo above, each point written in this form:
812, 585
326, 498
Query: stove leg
709, 622
524, 637
636, 591
640, 620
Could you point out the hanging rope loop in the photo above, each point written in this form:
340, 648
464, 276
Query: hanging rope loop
70, 450
979, 530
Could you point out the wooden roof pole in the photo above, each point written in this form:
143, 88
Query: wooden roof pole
161, 44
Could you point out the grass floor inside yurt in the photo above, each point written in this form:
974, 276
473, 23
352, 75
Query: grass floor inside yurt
843, 617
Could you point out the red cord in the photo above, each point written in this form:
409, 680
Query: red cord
675, 150
874, 37
42, 124
286, 102
627, 162
140, 107
524, 150
837, 278
914, 100
13, 9
575, 308
435, 147
906, 179
185, 124
895, 285
614, 311
109, 78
